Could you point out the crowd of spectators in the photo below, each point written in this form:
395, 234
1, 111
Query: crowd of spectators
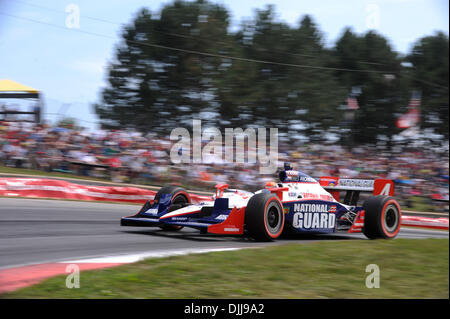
129, 156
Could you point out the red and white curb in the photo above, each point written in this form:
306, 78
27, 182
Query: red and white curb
425, 222
23, 276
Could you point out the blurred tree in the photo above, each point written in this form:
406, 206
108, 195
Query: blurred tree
295, 93
255, 93
182, 64
429, 58
153, 88
377, 68
314, 90
68, 122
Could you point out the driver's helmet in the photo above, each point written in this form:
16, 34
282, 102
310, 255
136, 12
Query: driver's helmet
270, 185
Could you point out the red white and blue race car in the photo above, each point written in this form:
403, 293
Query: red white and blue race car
297, 203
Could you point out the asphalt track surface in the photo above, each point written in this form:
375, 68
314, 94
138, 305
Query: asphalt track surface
39, 231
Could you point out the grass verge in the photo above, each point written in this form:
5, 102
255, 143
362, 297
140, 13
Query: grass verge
409, 268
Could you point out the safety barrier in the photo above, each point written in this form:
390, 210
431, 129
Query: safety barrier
58, 189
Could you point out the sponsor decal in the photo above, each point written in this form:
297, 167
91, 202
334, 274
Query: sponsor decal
222, 217
286, 210
307, 179
311, 208
292, 173
356, 183
179, 218
317, 196
301, 178
314, 220
153, 211
332, 209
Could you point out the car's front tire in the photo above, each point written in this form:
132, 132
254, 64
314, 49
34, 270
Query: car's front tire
179, 199
264, 217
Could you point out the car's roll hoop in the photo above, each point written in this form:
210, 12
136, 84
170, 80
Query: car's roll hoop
220, 188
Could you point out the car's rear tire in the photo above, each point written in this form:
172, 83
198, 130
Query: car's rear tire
179, 199
382, 217
264, 217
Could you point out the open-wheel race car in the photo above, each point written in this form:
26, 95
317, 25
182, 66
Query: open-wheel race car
297, 203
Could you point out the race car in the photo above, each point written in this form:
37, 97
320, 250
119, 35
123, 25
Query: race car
297, 203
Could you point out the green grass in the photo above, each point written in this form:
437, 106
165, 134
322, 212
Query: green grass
409, 268
419, 204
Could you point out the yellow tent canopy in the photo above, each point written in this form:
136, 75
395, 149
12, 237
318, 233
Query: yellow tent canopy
11, 89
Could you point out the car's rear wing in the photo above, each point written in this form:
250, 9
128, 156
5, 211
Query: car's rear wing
335, 185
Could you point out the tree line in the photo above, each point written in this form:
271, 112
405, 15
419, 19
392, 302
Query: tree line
183, 63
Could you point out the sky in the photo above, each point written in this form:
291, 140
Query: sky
55, 45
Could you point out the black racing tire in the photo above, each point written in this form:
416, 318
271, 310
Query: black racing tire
264, 217
175, 191
179, 199
382, 217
